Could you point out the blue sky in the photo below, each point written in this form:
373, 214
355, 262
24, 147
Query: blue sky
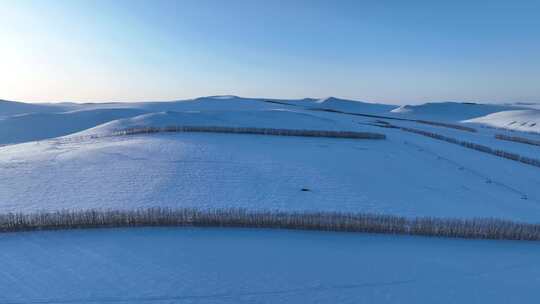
384, 51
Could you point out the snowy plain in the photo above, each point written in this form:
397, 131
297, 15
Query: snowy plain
208, 265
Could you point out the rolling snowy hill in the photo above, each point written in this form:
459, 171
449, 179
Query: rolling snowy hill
449, 111
406, 174
436, 160
9, 108
522, 120
22, 122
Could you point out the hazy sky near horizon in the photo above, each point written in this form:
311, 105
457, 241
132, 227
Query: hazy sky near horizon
381, 51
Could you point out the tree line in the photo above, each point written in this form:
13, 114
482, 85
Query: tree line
477, 228
482, 148
252, 130
518, 139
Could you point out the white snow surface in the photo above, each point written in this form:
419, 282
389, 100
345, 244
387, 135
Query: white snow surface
9, 108
334, 103
274, 118
54, 165
522, 120
22, 122
406, 174
449, 111
36, 126
187, 265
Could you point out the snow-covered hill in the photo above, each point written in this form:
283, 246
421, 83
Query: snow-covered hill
22, 122
522, 120
9, 108
333, 103
68, 156
273, 118
42, 125
406, 174
448, 111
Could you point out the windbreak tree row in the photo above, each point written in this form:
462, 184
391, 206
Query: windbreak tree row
482, 148
518, 139
249, 130
480, 228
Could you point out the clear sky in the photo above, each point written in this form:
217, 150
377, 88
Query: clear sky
384, 51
